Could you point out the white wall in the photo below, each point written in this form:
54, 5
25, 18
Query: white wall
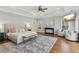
13, 18
34, 26
46, 22
6, 18
53, 22
58, 22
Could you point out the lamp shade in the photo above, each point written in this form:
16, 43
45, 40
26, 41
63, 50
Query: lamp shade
28, 25
1, 28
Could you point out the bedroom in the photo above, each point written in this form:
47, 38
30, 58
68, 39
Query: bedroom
23, 29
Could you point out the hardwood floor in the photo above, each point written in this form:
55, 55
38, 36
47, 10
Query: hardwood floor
2, 41
63, 45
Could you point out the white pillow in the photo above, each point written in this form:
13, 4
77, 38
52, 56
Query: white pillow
21, 30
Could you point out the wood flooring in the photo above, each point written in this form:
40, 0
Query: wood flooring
62, 45
2, 41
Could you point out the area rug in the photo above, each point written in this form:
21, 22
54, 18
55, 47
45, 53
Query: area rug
40, 44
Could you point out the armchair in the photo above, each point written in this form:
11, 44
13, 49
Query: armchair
61, 32
71, 35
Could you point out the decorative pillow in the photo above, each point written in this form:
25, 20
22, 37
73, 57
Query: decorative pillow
62, 30
22, 30
9, 30
69, 32
17, 30
13, 30
75, 32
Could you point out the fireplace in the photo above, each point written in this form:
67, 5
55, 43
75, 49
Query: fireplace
49, 30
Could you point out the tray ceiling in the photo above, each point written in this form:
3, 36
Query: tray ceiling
32, 11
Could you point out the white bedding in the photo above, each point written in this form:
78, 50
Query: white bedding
18, 36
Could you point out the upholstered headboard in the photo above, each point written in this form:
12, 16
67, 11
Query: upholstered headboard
15, 28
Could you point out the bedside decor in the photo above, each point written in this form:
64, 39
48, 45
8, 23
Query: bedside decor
1, 27
2, 33
28, 26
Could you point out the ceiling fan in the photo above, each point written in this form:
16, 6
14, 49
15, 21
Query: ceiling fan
40, 8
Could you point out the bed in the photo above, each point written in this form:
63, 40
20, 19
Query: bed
19, 35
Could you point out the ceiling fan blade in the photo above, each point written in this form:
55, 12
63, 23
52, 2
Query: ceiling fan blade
39, 8
44, 9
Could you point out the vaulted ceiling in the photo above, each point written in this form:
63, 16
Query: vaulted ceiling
32, 12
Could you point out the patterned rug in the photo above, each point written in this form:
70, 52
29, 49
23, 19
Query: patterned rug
41, 44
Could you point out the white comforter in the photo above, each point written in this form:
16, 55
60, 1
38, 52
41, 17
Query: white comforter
18, 36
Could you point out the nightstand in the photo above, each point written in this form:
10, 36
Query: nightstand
2, 35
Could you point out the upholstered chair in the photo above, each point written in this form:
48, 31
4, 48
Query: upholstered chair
60, 32
71, 35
